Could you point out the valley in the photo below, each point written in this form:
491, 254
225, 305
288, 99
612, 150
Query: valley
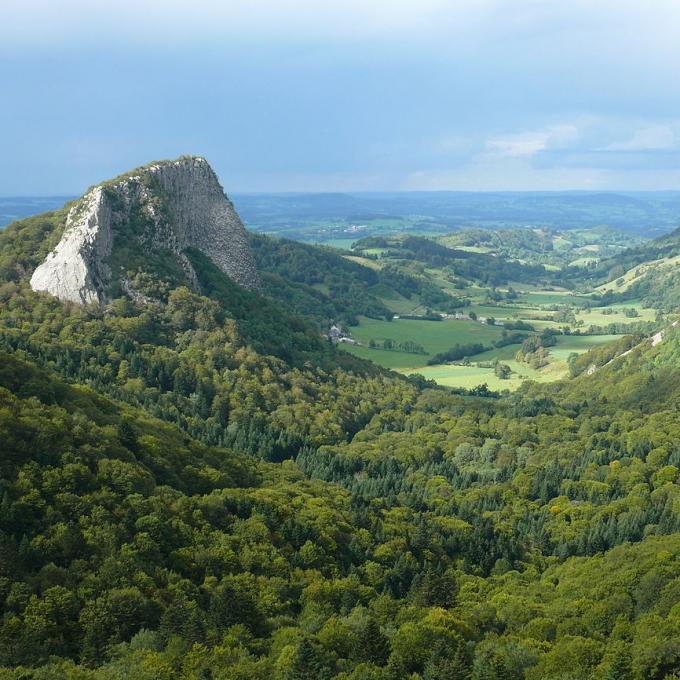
495, 314
199, 480
340, 340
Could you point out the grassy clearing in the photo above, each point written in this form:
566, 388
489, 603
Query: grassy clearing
399, 361
583, 261
504, 312
550, 298
596, 316
469, 377
401, 305
342, 243
364, 261
434, 336
566, 344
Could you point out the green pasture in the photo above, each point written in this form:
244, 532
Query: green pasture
542, 297
395, 360
596, 316
468, 377
567, 344
434, 336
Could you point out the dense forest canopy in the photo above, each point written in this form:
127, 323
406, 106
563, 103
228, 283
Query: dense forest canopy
204, 487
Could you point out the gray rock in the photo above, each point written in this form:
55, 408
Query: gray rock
182, 205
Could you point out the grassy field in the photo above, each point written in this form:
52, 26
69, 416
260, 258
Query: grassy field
439, 336
452, 375
532, 298
399, 361
596, 316
365, 261
448, 333
505, 312
434, 336
342, 243
469, 377
567, 344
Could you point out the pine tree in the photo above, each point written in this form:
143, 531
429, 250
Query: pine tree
306, 665
440, 667
620, 668
373, 645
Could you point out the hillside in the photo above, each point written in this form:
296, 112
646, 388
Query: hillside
553, 247
449, 536
647, 272
201, 486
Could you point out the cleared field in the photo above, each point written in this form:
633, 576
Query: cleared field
396, 302
583, 261
469, 377
550, 298
341, 243
596, 316
504, 312
566, 344
364, 261
434, 336
401, 361
401, 305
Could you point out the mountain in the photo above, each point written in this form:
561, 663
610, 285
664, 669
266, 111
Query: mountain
141, 224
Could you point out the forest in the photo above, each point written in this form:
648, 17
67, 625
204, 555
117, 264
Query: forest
200, 489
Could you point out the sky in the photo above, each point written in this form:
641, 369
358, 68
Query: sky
343, 95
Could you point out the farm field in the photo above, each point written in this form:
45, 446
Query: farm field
542, 297
568, 344
597, 317
397, 361
438, 336
469, 377
542, 303
434, 336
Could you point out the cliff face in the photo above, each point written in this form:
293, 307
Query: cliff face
168, 207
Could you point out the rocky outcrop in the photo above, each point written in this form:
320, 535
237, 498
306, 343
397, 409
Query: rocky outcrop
172, 205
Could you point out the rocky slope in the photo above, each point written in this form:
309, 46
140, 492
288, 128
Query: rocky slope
165, 208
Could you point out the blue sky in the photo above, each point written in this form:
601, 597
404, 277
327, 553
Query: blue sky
302, 95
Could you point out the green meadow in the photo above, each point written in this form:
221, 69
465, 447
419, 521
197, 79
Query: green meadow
439, 336
434, 336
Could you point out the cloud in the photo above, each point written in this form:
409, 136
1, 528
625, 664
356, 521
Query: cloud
301, 93
436, 24
33, 21
526, 144
652, 138
508, 174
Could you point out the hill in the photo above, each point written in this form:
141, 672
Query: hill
137, 226
647, 272
554, 247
